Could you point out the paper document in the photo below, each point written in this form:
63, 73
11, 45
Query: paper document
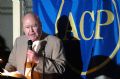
16, 74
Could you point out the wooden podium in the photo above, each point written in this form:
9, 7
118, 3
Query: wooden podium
8, 77
38, 76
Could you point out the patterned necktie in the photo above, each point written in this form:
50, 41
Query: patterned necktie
28, 69
30, 65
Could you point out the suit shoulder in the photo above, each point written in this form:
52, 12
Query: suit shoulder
54, 38
21, 37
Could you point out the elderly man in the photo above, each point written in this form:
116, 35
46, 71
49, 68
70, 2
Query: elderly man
29, 61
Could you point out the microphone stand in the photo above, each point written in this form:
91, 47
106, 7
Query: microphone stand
43, 75
43, 44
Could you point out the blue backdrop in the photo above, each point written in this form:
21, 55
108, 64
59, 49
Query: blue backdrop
96, 23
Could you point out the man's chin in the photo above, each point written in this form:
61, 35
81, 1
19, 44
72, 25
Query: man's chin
33, 39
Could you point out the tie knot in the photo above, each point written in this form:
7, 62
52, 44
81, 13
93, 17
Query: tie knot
29, 64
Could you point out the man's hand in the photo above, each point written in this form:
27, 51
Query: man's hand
32, 56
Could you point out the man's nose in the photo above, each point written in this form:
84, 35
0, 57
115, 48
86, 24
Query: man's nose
31, 29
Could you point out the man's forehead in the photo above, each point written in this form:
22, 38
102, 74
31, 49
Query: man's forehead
29, 16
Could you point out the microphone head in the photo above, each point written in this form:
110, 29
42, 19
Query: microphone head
43, 44
30, 44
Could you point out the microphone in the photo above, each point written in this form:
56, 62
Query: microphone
30, 44
43, 44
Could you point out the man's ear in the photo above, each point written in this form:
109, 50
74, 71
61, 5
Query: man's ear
22, 31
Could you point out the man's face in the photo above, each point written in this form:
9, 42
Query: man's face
31, 28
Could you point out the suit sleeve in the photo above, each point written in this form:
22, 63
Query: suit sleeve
11, 65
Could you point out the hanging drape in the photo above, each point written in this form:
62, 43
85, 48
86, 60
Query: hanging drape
95, 23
